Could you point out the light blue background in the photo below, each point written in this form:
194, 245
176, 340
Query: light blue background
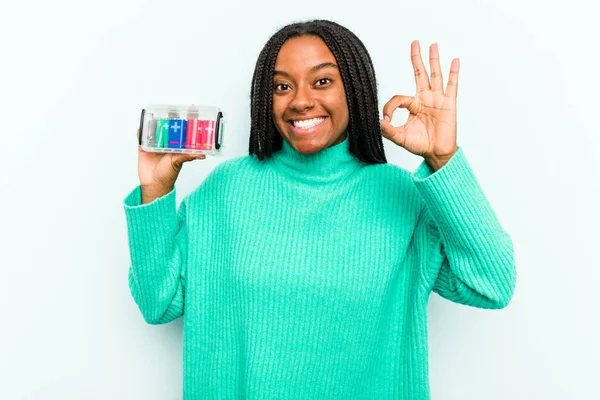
75, 75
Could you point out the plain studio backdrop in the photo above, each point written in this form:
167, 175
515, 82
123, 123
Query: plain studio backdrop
75, 75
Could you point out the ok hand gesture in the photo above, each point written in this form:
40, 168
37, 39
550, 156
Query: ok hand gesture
430, 130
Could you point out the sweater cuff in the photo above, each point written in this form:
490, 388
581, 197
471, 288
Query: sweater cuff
454, 197
146, 222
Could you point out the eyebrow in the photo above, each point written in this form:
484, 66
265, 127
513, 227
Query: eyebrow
313, 69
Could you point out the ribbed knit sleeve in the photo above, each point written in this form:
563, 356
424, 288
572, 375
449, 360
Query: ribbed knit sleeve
471, 257
157, 246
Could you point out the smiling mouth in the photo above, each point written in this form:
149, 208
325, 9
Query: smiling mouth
307, 126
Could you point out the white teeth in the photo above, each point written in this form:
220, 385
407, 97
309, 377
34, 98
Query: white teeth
308, 123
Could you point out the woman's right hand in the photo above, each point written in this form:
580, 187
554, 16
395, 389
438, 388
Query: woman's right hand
158, 171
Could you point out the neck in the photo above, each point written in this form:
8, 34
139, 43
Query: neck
330, 164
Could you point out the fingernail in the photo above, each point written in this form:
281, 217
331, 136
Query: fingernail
386, 118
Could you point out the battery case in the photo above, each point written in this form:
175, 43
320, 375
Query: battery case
190, 129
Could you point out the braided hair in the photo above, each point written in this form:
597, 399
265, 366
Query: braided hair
358, 76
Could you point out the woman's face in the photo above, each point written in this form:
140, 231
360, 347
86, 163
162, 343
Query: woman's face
309, 101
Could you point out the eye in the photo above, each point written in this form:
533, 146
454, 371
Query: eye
323, 81
281, 87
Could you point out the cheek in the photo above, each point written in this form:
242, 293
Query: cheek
341, 109
278, 109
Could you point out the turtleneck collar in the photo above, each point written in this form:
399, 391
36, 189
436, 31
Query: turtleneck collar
327, 165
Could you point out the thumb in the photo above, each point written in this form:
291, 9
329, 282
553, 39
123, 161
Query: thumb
192, 157
179, 159
182, 158
387, 130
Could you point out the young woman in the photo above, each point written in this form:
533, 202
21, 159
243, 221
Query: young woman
303, 270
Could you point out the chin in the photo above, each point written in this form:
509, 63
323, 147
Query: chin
306, 146
309, 149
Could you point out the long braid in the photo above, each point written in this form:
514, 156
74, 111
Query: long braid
366, 83
375, 145
356, 70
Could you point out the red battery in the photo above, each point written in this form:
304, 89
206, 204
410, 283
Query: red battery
194, 133
200, 134
209, 129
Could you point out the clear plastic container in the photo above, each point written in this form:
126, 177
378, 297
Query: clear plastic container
191, 129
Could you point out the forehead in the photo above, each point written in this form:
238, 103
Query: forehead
303, 53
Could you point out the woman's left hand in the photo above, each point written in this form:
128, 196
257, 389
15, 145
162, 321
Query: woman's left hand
430, 130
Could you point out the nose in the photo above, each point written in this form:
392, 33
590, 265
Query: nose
303, 100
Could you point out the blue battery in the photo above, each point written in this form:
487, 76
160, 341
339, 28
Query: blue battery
177, 131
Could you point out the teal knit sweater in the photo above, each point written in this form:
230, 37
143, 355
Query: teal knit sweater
308, 276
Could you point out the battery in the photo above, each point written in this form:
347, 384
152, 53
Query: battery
162, 133
177, 132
